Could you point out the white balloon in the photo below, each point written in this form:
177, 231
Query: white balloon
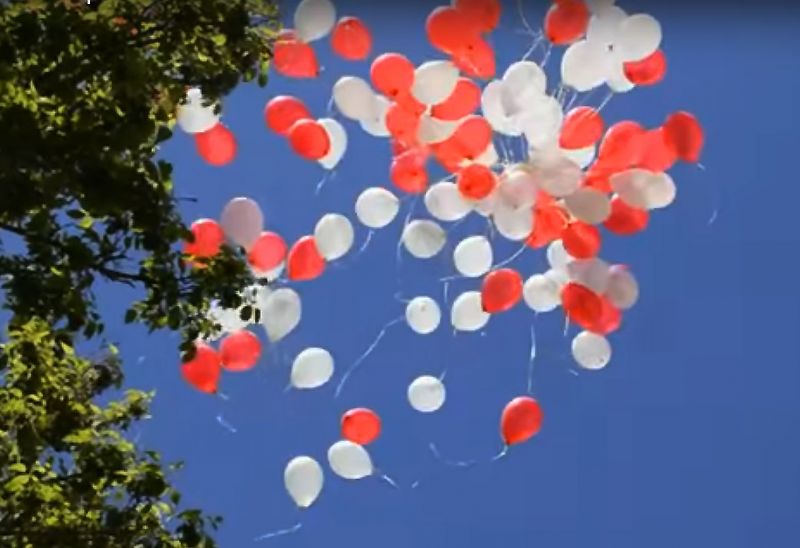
495, 109
314, 19
488, 157
467, 312
557, 256
558, 277
445, 203
588, 205
541, 294
312, 368
334, 236
623, 289
596, 6
592, 273
432, 130
434, 81
604, 26
376, 207
582, 157
192, 116
591, 351
242, 221
423, 238
281, 313
517, 187
554, 173
426, 394
632, 186
423, 315
376, 125
618, 83
486, 206
639, 37
661, 191
338, 139
513, 223
525, 81
349, 460
584, 66
228, 320
473, 256
269, 275
542, 121
303, 479
354, 98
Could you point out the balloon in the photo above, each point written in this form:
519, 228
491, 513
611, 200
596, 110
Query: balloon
309, 139
468, 142
466, 97
408, 171
513, 223
632, 186
648, 71
583, 127
314, 19
423, 315
501, 290
485, 14
208, 238
402, 124
566, 21
541, 293
467, 313
217, 146
333, 236
622, 145
582, 157
521, 420
582, 305
444, 202
304, 261
303, 480
542, 122
554, 173
473, 256
581, 240
337, 137
623, 290
354, 98
591, 273
293, 57
376, 207
351, 39
228, 319
683, 134
192, 116
656, 154
312, 368
283, 111
267, 252
376, 125
591, 351
392, 74
609, 319
557, 256
451, 30
434, 81
588, 205
203, 370
361, 426
625, 219
242, 221
349, 460
584, 66
639, 36
432, 130
426, 394
549, 222
476, 181
477, 59
423, 239
240, 350
281, 313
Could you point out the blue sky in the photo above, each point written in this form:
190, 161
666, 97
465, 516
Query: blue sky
689, 437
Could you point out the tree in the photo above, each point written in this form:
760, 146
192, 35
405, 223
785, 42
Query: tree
87, 92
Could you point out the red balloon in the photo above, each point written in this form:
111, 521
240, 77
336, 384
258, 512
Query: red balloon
283, 111
598, 177
683, 134
625, 219
477, 59
476, 181
485, 14
304, 261
351, 39
647, 72
549, 222
309, 139
240, 350
466, 144
622, 145
521, 420
609, 320
268, 252
402, 124
501, 290
203, 370
583, 127
450, 30
294, 58
408, 171
583, 306
208, 238
392, 74
361, 426
217, 146
466, 97
581, 240
566, 21
656, 154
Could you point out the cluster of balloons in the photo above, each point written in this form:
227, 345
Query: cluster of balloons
577, 178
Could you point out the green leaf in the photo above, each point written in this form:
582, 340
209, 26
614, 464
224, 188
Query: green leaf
17, 467
17, 483
220, 39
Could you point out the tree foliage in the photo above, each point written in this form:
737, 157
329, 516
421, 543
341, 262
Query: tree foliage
87, 93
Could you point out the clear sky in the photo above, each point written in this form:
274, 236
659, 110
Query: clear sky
689, 438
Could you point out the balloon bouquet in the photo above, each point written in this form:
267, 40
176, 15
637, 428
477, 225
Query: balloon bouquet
575, 175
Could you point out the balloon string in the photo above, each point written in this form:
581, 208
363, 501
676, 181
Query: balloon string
364, 356
516, 254
503, 452
566, 326
606, 100
455, 463
388, 480
367, 240
322, 182
531, 359
226, 425
280, 533
399, 257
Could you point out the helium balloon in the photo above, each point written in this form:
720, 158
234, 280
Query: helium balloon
683, 134
402, 124
485, 14
557, 256
648, 71
314, 19
591, 351
361, 426
309, 139
583, 66
566, 21
639, 37
423, 239
549, 222
283, 111
354, 98
203, 370
337, 137
521, 420
555, 174
281, 313
432, 130
217, 146
426, 394
334, 236
588, 205
632, 186
242, 221
501, 290
657, 155
312, 368
473, 256
582, 305
193, 117
625, 219
467, 313
304, 261
582, 157
477, 59
434, 82
583, 127
451, 30
303, 480
622, 290
591, 273
423, 315
476, 181
376, 125
293, 57
267, 252
349, 460
541, 293
444, 202
581, 240
392, 74
240, 350
513, 223
408, 171
622, 145
466, 97
351, 39
208, 238
376, 207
